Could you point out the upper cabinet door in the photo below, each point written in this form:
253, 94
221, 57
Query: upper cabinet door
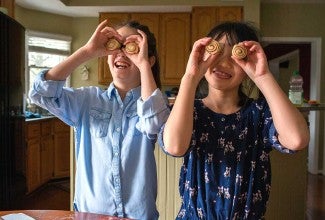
104, 75
174, 46
234, 13
205, 18
149, 19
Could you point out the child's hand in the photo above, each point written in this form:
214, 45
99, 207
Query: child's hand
96, 45
199, 60
141, 40
255, 64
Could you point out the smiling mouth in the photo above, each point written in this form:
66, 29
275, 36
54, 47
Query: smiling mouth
121, 65
221, 75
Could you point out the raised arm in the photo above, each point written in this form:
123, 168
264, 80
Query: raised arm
289, 122
179, 126
95, 47
144, 64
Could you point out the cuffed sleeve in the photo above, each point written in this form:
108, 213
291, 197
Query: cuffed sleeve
46, 88
153, 113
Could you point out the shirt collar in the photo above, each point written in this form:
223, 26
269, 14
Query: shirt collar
134, 93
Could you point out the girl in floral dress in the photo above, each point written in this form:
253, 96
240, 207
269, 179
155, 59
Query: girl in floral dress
226, 137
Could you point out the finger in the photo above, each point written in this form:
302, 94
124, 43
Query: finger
111, 32
133, 38
143, 35
101, 25
107, 29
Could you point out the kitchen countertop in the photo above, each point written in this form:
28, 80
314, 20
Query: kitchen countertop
307, 108
304, 108
40, 118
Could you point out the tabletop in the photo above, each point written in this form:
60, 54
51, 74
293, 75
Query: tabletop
57, 215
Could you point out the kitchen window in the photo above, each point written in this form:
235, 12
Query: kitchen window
44, 51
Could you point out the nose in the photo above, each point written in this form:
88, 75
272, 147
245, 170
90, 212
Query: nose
120, 53
224, 60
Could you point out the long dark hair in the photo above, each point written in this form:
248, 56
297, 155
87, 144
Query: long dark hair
235, 32
152, 46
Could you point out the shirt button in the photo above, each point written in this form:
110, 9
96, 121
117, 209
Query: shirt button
118, 129
116, 153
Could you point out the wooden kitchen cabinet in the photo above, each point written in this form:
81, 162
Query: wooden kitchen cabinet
149, 19
61, 149
174, 46
10, 6
33, 156
205, 18
47, 151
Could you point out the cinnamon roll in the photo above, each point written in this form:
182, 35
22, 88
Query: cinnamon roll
214, 47
239, 51
113, 44
132, 48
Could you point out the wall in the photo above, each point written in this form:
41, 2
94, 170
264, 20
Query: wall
41, 21
80, 29
81, 32
298, 20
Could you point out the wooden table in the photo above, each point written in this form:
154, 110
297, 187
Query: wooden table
60, 215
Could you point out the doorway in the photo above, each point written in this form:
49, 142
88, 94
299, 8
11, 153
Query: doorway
313, 93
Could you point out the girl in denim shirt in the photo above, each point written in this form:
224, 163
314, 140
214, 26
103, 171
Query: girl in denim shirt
115, 129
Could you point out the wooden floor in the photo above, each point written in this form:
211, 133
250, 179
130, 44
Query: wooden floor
53, 196
315, 197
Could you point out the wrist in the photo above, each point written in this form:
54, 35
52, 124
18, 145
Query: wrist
192, 79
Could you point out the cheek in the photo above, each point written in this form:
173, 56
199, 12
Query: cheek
240, 74
110, 61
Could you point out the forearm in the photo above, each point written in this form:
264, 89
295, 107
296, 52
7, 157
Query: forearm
179, 126
289, 122
66, 67
148, 84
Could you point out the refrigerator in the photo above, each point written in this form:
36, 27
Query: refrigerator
12, 66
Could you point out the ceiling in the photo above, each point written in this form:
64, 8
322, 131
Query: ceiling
91, 8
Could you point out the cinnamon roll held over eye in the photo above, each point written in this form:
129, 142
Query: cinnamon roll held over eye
214, 47
113, 44
239, 51
132, 48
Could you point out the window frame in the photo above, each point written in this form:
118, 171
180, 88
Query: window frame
32, 33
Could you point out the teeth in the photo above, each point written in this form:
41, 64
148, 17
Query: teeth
121, 65
221, 74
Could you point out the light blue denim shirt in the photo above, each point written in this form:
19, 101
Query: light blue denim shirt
114, 145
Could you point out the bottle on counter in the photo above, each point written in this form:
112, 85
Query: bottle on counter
295, 88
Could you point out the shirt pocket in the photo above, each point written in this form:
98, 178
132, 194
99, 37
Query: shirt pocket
99, 122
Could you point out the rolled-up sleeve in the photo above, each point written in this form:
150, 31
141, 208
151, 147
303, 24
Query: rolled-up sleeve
153, 113
59, 101
46, 88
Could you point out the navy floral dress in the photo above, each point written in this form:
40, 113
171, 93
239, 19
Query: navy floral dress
226, 173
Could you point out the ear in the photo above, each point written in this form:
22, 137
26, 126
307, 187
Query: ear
152, 60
